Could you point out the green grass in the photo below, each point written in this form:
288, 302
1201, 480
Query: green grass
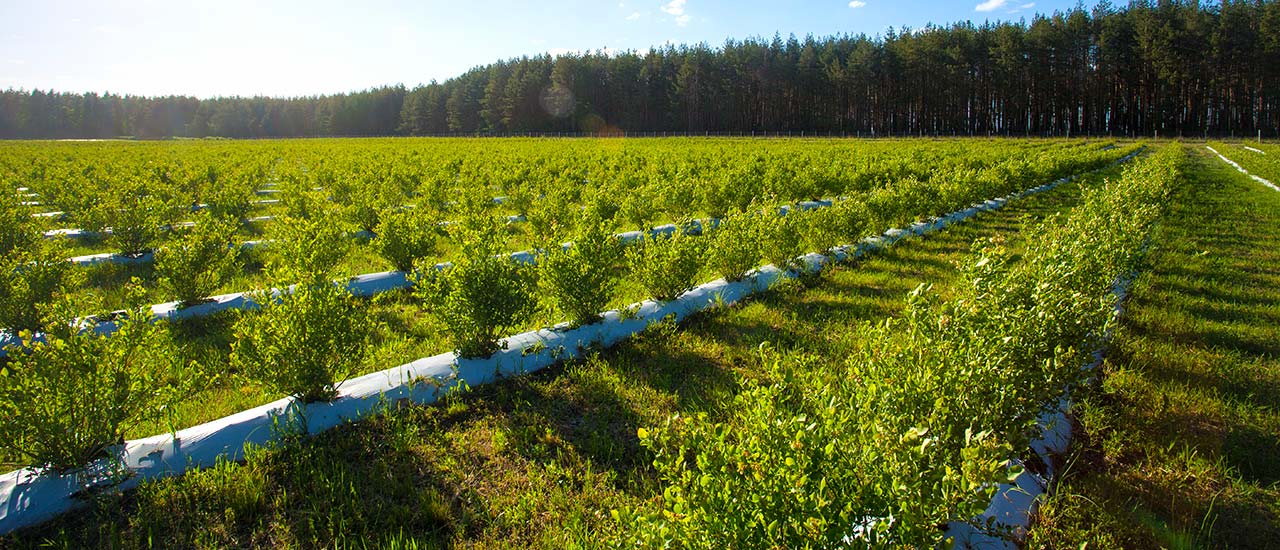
534, 461
1180, 443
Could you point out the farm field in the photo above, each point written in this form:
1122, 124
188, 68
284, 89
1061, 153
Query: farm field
909, 180
870, 402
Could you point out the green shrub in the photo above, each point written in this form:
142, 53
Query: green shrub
33, 278
200, 261
307, 249
406, 236
137, 213
231, 201
734, 245
64, 402
667, 266
782, 239
366, 202
552, 215
17, 230
482, 294
304, 344
581, 279
805, 459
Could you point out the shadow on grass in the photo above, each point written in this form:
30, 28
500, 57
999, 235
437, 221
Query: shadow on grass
1185, 443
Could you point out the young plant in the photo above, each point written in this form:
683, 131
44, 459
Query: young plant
667, 266
482, 294
406, 236
581, 279
136, 213
231, 201
551, 215
308, 249
304, 343
782, 240
33, 277
734, 247
16, 226
64, 402
200, 261
366, 203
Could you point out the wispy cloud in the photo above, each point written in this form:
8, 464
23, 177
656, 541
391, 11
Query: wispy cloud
990, 5
633, 16
676, 8
1027, 6
855, 4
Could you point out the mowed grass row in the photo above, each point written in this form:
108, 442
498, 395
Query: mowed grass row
534, 461
1265, 165
1180, 446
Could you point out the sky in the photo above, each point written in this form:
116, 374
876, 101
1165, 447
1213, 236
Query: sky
299, 48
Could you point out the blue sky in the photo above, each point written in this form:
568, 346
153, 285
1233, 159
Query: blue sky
290, 48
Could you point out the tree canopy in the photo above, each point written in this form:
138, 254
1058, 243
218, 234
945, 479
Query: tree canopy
1173, 67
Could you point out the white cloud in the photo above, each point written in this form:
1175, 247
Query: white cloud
633, 16
855, 4
682, 20
990, 5
674, 7
1027, 6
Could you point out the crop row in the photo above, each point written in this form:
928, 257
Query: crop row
920, 427
199, 263
552, 210
640, 183
479, 297
316, 303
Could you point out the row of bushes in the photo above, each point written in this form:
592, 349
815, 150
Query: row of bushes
917, 426
306, 342
138, 192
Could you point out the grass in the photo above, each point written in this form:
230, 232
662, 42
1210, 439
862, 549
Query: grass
1180, 444
533, 461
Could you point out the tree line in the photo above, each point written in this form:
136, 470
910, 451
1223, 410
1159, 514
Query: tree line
1171, 67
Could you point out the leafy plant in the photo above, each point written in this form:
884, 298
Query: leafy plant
16, 227
483, 293
64, 402
231, 201
33, 278
136, 213
366, 202
667, 266
200, 261
406, 236
307, 249
580, 279
303, 343
782, 240
918, 426
734, 247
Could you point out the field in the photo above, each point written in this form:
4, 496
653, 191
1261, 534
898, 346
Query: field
868, 396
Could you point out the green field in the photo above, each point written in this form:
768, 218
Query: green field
866, 405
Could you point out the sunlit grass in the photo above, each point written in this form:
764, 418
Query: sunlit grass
1182, 439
